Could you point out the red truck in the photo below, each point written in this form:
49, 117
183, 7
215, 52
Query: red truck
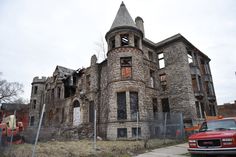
215, 137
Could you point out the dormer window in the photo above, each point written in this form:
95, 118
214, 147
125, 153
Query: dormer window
124, 39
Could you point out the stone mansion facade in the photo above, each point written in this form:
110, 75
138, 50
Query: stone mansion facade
138, 76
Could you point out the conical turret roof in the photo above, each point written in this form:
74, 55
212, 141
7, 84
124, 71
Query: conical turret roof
123, 18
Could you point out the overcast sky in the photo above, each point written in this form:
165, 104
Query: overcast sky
37, 35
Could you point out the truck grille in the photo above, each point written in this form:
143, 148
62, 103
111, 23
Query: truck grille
209, 143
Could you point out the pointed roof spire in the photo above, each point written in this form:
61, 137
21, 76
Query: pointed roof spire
123, 18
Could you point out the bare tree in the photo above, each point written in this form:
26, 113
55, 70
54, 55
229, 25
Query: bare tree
101, 48
9, 91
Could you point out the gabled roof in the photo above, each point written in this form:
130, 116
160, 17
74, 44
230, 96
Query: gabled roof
123, 18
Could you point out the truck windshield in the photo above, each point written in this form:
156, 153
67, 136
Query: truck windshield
227, 124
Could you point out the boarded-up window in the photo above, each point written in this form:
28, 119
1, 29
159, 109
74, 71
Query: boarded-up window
121, 106
165, 105
163, 81
126, 67
122, 132
91, 111
133, 105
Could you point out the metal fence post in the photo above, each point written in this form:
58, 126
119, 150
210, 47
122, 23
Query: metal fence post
37, 136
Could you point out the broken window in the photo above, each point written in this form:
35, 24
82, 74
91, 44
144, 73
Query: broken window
76, 113
58, 92
88, 82
136, 132
121, 132
50, 115
112, 42
161, 60
133, 105
32, 121
126, 67
35, 89
91, 112
121, 106
163, 81
124, 39
190, 58
136, 41
155, 107
165, 105
150, 55
152, 78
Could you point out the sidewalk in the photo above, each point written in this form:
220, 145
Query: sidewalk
171, 151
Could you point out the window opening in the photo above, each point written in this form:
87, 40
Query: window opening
136, 41
161, 60
124, 39
112, 42
121, 106
35, 89
165, 105
150, 55
152, 78
134, 105
134, 132
122, 132
155, 107
126, 67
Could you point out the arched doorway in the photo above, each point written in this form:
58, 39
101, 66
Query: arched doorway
76, 113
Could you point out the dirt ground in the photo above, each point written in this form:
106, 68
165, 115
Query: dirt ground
84, 148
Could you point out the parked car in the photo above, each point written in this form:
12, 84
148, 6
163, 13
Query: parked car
215, 137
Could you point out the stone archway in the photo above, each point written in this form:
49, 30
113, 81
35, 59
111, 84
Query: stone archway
76, 113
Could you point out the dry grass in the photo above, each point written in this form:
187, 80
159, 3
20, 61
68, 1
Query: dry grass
85, 148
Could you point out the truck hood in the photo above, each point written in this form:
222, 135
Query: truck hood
213, 134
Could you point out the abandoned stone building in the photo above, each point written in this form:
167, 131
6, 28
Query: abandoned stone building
137, 77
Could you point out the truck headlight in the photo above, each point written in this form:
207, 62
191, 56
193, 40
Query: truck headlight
192, 141
227, 139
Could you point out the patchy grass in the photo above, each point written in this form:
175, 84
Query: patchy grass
84, 148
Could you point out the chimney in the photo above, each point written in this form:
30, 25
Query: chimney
139, 23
